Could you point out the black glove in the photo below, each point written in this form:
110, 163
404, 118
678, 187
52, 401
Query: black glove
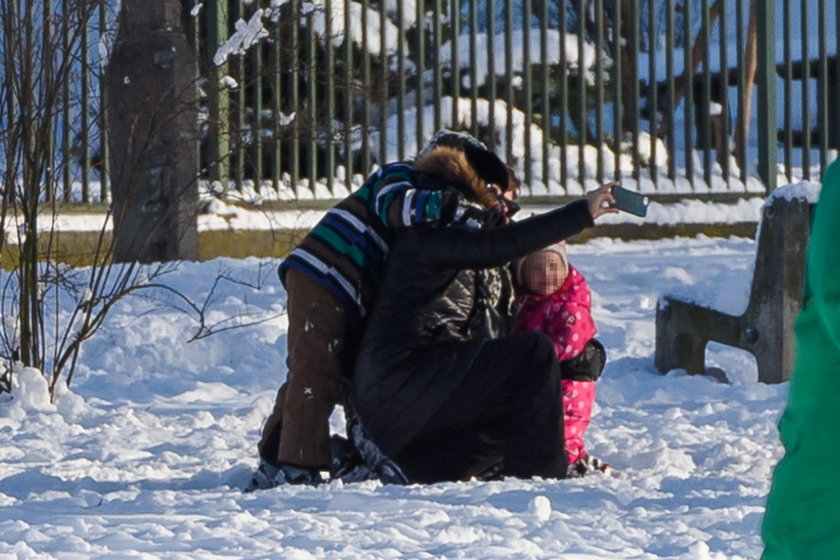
586, 366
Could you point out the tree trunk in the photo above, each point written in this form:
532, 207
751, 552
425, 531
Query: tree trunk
153, 118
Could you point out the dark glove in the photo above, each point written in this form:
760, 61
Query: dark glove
586, 366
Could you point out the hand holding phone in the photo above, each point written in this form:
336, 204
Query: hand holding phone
630, 201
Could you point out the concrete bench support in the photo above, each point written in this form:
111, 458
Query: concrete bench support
683, 329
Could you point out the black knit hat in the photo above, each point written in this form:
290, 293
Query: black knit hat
488, 165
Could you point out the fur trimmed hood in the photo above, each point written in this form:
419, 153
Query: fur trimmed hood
444, 166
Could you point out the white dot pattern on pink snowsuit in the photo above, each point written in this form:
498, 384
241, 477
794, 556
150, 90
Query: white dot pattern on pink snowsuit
578, 398
565, 317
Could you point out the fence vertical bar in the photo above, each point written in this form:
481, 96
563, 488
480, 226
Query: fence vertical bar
724, 101
194, 29
670, 108
491, 73
420, 64
47, 80
822, 94
84, 131
544, 92
276, 108
312, 102
616, 79
400, 81
218, 101
473, 7
742, 80
295, 109
508, 42
436, 68
581, 93
688, 99
634, 92
66, 161
599, 88
349, 94
563, 89
652, 93
238, 110
787, 92
256, 132
329, 94
767, 99
455, 19
383, 93
104, 148
367, 89
529, 107
806, 94
706, 97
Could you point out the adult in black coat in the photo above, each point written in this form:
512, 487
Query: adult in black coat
434, 390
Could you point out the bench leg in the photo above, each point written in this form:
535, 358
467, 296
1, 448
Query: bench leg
676, 345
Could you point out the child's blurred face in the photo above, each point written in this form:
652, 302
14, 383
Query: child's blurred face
543, 272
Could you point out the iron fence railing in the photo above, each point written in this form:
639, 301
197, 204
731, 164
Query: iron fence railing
573, 93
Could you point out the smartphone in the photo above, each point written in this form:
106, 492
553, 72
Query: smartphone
630, 201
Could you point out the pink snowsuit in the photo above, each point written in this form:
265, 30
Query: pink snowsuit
565, 316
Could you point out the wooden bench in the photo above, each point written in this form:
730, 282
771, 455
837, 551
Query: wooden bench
765, 329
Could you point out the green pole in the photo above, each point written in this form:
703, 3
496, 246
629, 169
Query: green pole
766, 82
218, 97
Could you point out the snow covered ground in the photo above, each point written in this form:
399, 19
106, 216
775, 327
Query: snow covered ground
146, 455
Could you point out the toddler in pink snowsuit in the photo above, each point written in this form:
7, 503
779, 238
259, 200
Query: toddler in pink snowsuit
555, 300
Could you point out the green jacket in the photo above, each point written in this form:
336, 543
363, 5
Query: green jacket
802, 519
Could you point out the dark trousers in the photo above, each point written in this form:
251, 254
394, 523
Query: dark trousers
320, 347
506, 411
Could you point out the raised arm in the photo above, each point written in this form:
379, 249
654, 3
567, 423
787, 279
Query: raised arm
398, 203
457, 247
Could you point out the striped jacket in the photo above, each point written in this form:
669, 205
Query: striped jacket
345, 251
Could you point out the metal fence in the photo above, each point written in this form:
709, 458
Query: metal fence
572, 93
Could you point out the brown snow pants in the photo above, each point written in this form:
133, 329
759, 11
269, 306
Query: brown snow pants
319, 355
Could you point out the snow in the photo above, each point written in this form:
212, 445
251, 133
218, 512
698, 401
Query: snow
478, 43
219, 215
223, 216
246, 34
146, 454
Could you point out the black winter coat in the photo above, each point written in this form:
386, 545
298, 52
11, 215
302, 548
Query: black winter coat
421, 336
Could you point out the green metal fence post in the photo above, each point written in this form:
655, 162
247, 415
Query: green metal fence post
218, 145
491, 73
349, 94
420, 100
104, 147
276, 109
529, 108
48, 72
805, 80
66, 167
455, 21
236, 120
766, 82
84, 130
509, 92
